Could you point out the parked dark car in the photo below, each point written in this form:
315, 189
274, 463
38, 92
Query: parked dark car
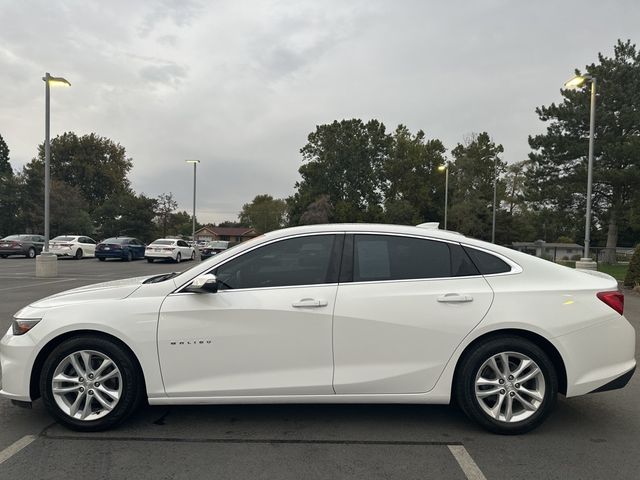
213, 248
124, 248
24, 244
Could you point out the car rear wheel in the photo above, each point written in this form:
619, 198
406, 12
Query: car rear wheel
89, 383
78, 254
102, 259
4, 256
508, 385
31, 253
178, 258
129, 256
150, 260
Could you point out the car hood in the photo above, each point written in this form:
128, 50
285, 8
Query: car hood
115, 290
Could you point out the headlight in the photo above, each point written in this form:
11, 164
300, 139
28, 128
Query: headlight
20, 326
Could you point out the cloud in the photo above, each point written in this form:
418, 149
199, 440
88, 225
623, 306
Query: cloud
239, 85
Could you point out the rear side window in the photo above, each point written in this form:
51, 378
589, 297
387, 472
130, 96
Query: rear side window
486, 263
387, 257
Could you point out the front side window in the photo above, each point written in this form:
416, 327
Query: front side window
294, 261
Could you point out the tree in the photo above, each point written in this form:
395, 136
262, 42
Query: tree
8, 192
127, 214
472, 173
68, 211
632, 279
559, 160
343, 160
264, 213
318, 212
413, 186
181, 224
165, 205
96, 165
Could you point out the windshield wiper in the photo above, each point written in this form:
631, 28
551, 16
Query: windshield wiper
162, 277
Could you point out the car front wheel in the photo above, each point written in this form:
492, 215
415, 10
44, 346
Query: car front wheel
178, 258
89, 383
508, 385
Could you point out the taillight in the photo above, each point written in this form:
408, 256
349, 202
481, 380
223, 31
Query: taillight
614, 299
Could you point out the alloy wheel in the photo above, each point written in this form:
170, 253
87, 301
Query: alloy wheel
510, 387
86, 385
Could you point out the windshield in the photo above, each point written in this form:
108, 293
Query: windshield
164, 242
64, 239
115, 240
225, 253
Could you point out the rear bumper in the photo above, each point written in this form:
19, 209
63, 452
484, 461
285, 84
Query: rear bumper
616, 383
598, 357
159, 255
111, 254
13, 251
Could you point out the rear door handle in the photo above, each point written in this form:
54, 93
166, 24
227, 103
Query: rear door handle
455, 298
309, 302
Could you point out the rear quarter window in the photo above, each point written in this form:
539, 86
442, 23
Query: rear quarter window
486, 263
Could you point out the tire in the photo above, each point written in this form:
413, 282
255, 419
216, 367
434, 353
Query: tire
102, 259
178, 258
4, 256
78, 255
31, 253
129, 384
129, 257
193, 255
477, 365
150, 260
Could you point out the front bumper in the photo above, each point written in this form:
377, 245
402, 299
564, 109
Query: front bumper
16, 360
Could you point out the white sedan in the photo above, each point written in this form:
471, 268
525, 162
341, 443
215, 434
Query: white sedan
328, 314
75, 246
169, 249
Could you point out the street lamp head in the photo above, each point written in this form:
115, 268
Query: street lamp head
577, 81
56, 81
192, 161
442, 168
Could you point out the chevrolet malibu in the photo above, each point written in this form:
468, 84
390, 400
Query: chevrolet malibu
328, 314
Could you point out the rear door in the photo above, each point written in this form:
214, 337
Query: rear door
403, 305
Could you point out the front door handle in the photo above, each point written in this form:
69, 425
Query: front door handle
455, 298
309, 302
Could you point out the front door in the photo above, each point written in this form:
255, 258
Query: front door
267, 331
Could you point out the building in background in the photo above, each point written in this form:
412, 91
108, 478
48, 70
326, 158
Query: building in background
232, 235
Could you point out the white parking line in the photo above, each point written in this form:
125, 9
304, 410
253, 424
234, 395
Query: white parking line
37, 284
468, 466
15, 447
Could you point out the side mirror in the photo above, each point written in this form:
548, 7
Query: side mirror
206, 283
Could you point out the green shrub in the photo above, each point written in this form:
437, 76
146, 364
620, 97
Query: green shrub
633, 274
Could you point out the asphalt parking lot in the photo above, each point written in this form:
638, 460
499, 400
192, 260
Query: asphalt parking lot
594, 436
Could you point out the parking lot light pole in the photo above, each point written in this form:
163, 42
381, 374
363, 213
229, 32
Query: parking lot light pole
46, 263
576, 82
193, 228
445, 168
495, 189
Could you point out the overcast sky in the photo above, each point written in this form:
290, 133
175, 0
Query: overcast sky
239, 84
